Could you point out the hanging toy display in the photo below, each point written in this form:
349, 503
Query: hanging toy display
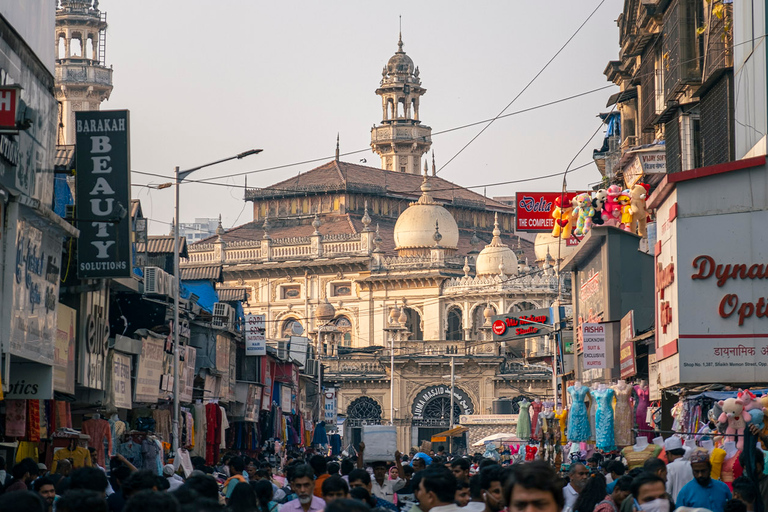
584, 212
611, 207
564, 218
639, 196
598, 201
626, 210
737, 418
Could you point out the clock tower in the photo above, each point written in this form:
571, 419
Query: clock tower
400, 140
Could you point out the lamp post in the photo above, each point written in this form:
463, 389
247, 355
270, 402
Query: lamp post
179, 177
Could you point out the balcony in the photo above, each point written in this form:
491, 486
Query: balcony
87, 72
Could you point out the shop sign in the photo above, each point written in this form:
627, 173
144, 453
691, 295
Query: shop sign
298, 349
266, 401
534, 209
103, 194
222, 365
330, 405
35, 286
460, 398
150, 370
654, 387
488, 419
232, 371
29, 381
594, 346
64, 350
255, 335
9, 106
252, 403
522, 324
94, 340
285, 399
627, 348
643, 164
121, 380
591, 304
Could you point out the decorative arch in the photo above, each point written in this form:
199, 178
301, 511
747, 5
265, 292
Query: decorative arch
413, 324
286, 326
523, 305
344, 325
431, 405
363, 410
454, 329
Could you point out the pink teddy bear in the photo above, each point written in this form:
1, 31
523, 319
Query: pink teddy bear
737, 419
612, 208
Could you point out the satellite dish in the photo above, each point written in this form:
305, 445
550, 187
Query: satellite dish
297, 328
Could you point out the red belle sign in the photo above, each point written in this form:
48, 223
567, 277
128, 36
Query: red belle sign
534, 209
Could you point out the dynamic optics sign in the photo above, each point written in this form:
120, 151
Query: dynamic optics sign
103, 194
522, 324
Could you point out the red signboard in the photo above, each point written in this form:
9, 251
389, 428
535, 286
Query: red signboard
9, 103
534, 209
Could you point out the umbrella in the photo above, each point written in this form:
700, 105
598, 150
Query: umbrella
504, 437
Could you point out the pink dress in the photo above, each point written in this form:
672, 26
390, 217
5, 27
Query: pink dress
99, 430
640, 415
536, 406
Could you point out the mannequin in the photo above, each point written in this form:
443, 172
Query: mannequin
658, 441
716, 459
524, 420
578, 421
561, 415
603, 398
536, 407
641, 451
101, 435
708, 445
689, 445
79, 456
731, 467
641, 409
623, 414
117, 428
546, 414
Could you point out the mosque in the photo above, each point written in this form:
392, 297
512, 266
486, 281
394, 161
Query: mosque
393, 274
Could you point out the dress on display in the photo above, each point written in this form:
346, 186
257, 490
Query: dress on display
536, 407
604, 418
100, 432
716, 458
530, 452
731, 470
524, 421
636, 459
562, 418
642, 412
622, 426
578, 421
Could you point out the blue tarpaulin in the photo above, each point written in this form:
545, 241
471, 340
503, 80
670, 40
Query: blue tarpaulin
204, 290
723, 395
62, 195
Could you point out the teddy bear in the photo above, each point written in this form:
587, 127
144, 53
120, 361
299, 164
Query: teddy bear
626, 214
598, 201
639, 194
753, 406
564, 218
737, 418
611, 208
585, 212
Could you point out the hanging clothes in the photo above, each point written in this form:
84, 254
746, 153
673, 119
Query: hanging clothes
213, 436
622, 426
63, 415
33, 421
604, 418
641, 413
224, 427
163, 424
131, 450
100, 432
200, 431
15, 418
578, 419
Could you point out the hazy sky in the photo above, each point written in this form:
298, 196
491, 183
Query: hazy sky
206, 80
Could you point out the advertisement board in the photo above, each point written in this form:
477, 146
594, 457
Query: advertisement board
594, 346
533, 210
121, 380
149, 371
64, 350
266, 400
627, 348
522, 324
330, 405
252, 403
255, 335
103, 194
591, 296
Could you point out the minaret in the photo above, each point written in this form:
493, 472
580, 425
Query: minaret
400, 140
83, 81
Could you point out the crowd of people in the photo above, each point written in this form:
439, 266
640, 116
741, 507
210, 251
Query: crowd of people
419, 482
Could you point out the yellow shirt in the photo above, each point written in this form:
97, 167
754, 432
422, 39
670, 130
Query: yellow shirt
80, 457
716, 458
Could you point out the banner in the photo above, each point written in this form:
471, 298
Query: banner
149, 371
533, 210
627, 348
330, 405
121, 380
594, 346
103, 194
64, 350
255, 335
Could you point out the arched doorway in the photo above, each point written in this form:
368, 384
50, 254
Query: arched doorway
431, 413
455, 332
362, 411
413, 324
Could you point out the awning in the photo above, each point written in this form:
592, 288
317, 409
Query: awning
442, 437
622, 96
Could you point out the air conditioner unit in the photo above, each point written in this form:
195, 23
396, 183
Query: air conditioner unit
170, 285
282, 350
222, 314
154, 281
311, 368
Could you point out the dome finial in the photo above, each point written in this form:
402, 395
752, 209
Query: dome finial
377, 241
366, 218
400, 40
434, 169
220, 229
437, 236
466, 267
337, 146
266, 226
316, 224
496, 230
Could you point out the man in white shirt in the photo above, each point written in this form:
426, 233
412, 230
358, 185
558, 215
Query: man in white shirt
578, 475
382, 486
679, 470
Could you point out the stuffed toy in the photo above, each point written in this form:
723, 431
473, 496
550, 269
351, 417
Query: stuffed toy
564, 219
714, 417
585, 212
753, 406
611, 208
598, 200
626, 214
639, 212
737, 418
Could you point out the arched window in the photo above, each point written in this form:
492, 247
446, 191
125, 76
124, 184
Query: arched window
436, 411
362, 411
291, 327
413, 324
454, 331
344, 327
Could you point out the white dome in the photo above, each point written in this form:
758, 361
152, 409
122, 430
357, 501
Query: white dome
417, 226
546, 242
495, 254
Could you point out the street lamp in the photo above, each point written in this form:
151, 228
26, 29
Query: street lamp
179, 177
